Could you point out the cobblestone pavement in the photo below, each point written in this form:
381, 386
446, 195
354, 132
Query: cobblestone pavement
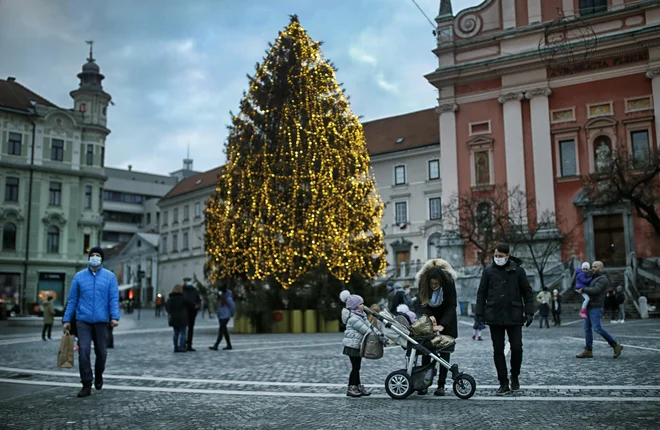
299, 381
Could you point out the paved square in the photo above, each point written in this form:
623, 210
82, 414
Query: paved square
299, 381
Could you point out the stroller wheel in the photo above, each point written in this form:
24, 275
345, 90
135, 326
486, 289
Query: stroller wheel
398, 385
464, 386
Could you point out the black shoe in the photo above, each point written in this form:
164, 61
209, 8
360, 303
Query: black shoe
180, 350
214, 347
515, 385
503, 390
227, 348
44, 339
439, 392
422, 392
191, 349
86, 391
98, 382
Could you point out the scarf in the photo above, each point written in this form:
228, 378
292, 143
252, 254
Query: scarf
436, 298
361, 314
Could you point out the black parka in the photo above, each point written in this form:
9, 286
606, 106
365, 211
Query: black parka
504, 296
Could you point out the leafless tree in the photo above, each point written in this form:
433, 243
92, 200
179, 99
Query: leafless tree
483, 219
634, 178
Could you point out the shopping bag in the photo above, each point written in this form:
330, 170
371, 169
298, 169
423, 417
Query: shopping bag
65, 355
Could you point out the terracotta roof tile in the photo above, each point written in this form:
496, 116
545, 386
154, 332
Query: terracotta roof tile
15, 96
195, 182
416, 128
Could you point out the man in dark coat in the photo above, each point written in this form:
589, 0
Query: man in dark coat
556, 308
596, 290
194, 302
505, 302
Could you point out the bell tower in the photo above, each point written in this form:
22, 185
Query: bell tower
90, 99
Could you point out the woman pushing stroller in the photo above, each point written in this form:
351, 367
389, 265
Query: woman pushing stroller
437, 299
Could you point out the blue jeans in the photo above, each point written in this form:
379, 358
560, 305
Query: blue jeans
180, 337
98, 333
593, 322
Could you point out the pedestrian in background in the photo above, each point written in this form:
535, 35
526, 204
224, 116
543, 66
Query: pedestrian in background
194, 302
159, 304
477, 327
621, 302
225, 311
94, 300
177, 313
556, 308
49, 317
543, 298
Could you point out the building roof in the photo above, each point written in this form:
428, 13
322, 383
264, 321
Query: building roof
113, 172
411, 130
15, 96
151, 238
114, 250
195, 182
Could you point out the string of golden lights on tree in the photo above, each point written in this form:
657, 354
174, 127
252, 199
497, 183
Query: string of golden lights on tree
296, 192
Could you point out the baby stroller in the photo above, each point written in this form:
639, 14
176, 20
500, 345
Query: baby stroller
402, 383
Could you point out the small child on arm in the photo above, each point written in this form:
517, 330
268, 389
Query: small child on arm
582, 280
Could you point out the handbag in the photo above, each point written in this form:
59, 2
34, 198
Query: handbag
371, 347
65, 354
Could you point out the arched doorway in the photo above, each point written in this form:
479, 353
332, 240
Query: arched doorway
433, 250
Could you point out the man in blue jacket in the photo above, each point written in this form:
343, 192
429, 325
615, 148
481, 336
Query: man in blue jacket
94, 299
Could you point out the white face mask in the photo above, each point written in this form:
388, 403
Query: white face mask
95, 260
500, 261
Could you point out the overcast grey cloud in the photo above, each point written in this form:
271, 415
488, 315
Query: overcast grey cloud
175, 69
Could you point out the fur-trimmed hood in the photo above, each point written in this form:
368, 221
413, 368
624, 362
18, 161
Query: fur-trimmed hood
437, 262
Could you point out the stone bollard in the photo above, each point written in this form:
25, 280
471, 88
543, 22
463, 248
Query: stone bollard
643, 308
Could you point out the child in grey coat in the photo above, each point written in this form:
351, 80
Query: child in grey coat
357, 326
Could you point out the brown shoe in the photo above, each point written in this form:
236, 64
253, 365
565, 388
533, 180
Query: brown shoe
585, 354
617, 350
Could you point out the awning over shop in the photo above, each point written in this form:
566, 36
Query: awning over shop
125, 287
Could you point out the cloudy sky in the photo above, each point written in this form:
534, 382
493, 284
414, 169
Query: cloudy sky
176, 68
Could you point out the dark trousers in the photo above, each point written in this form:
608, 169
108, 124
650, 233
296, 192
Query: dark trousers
514, 333
544, 318
223, 332
354, 378
556, 318
111, 337
442, 377
47, 328
192, 314
98, 333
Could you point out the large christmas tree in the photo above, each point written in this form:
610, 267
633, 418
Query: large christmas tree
296, 193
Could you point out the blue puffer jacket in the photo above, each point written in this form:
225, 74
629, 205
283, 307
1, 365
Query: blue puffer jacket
94, 298
228, 310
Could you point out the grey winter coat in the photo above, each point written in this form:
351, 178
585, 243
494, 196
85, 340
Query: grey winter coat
597, 289
356, 328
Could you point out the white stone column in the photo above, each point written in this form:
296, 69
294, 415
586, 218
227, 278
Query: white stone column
513, 142
534, 11
509, 13
448, 154
654, 76
542, 146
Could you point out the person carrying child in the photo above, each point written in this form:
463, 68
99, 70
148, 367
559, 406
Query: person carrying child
357, 326
582, 280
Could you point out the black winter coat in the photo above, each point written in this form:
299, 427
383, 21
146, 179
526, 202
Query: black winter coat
193, 298
177, 309
504, 296
445, 314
